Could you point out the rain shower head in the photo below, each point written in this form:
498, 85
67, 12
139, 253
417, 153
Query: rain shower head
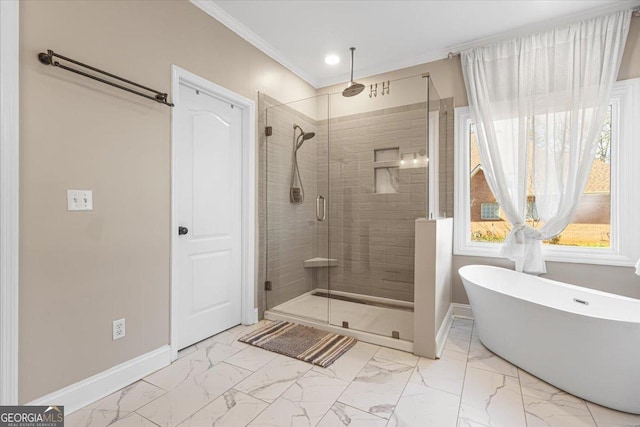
353, 88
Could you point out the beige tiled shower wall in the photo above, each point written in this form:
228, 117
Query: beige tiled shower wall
372, 235
288, 232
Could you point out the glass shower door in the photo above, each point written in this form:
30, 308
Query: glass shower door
378, 183
296, 208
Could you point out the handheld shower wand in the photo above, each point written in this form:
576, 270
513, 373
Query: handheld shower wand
296, 194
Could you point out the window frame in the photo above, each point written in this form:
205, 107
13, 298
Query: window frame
625, 179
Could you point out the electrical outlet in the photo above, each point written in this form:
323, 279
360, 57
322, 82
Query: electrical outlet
118, 329
79, 200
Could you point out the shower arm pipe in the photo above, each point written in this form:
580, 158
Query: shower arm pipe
352, 50
48, 59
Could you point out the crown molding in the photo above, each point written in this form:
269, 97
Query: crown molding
215, 11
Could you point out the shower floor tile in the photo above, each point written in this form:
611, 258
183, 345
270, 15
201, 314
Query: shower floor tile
368, 386
362, 317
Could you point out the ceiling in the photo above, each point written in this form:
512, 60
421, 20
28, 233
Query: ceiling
388, 35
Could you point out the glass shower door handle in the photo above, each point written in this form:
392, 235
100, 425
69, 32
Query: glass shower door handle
321, 208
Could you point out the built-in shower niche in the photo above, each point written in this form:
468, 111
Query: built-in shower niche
386, 170
387, 163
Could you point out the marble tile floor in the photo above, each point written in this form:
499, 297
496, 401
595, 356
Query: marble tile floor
222, 382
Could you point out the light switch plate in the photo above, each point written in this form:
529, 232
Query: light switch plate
79, 200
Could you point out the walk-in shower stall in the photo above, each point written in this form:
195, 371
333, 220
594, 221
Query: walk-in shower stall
342, 181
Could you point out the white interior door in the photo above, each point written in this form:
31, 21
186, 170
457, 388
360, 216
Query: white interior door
207, 203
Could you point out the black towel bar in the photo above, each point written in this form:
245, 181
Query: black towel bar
47, 59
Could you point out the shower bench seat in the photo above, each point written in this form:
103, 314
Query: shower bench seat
320, 262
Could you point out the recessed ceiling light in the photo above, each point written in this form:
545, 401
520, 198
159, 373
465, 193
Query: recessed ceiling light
332, 59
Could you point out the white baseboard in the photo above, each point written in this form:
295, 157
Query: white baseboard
94, 388
443, 332
462, 310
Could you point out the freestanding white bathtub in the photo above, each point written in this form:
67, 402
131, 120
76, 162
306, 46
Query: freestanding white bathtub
582, 341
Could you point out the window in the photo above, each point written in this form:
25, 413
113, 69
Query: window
591, 225
595, 234
532, 212
489, 211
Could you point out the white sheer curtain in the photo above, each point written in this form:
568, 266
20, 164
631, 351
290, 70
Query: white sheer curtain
540, 102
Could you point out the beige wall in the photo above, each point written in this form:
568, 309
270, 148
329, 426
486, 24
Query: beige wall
630, 67
81, 270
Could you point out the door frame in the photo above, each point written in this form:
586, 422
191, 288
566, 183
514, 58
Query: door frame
248, 234
9, 200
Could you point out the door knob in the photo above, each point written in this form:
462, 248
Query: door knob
182, 231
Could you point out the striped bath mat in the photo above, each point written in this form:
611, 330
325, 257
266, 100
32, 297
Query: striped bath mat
301, 342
